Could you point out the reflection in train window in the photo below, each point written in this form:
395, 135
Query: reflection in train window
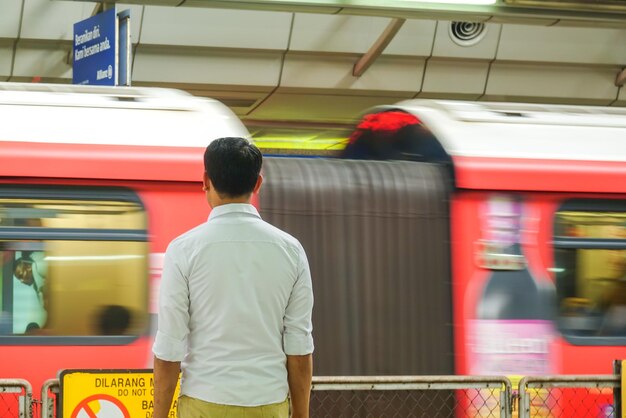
72, 267
52, 213
590, 255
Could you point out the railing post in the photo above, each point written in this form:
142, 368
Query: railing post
47, 405
523, 399
617, 390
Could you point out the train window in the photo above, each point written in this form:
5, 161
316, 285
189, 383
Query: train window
590, 256
74, 265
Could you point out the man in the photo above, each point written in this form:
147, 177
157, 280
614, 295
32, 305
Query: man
235, 305
29, 293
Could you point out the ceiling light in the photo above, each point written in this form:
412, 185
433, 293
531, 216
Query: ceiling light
460, 2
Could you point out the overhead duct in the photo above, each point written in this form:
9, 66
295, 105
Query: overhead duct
467, 33
586, 5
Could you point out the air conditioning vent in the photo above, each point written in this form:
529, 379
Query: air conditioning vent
467, 33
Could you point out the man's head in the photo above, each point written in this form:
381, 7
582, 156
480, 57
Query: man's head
232, 170
23, 271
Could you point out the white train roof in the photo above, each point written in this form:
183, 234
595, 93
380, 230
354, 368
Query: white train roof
529, 131
112, 116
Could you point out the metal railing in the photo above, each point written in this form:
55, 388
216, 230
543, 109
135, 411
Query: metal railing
49, 396
568, 396
411, 396
16, 398
403, 396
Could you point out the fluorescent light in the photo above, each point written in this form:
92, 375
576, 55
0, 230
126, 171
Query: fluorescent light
461, 2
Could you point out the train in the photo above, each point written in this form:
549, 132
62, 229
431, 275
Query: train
449, 238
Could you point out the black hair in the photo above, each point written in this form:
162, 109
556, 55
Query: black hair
113, 320
233, 166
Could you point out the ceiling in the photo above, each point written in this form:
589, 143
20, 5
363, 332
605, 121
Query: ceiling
287, 69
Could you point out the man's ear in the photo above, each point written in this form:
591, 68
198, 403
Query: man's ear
257, 186
206, 183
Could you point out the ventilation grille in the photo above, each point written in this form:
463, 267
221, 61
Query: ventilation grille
467, 33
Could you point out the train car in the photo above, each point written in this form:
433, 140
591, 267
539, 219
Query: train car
491, 239
538, 231
94, 184
497, 246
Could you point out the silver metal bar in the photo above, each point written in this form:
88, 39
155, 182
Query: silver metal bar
406, 386
524, 399
47, 404
574, 381
495, 380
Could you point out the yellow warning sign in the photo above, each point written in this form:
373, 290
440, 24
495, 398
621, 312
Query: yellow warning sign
109, 394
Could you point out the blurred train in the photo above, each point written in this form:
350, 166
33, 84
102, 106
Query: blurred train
491, 240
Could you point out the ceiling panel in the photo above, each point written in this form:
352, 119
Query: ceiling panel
216, 28
563, 44
398, 74
41, 59
10, 18
414, 38
6, 58
44, 19
552, 83
318, 107
203, 66
484, 49
356, 34
447, 78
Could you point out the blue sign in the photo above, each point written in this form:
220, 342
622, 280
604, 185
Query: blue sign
95, 50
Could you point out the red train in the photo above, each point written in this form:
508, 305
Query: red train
493, 243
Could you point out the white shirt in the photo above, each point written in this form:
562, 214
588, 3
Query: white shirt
235, 299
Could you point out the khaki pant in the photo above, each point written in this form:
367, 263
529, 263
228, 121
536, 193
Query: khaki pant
195, 408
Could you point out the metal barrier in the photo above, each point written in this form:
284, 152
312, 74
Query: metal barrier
16, 396
403, 396
49, 396
568, 396
411, 396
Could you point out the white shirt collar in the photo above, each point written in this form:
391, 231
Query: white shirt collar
243, 208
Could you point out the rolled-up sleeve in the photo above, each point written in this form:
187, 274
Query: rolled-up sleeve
173, 315
298, 327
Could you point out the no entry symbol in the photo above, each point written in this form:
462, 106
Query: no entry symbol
100, 406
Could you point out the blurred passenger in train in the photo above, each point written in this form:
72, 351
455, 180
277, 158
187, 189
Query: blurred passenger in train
113, 320
29, 292
235, 305
393, 135
613, 298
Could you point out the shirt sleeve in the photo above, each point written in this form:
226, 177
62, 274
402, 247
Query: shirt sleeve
298, 328
173, 313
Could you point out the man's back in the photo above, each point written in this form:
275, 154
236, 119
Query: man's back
247, 284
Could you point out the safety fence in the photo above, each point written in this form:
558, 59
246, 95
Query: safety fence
569, 396
411, 396
16, 396
404, 396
